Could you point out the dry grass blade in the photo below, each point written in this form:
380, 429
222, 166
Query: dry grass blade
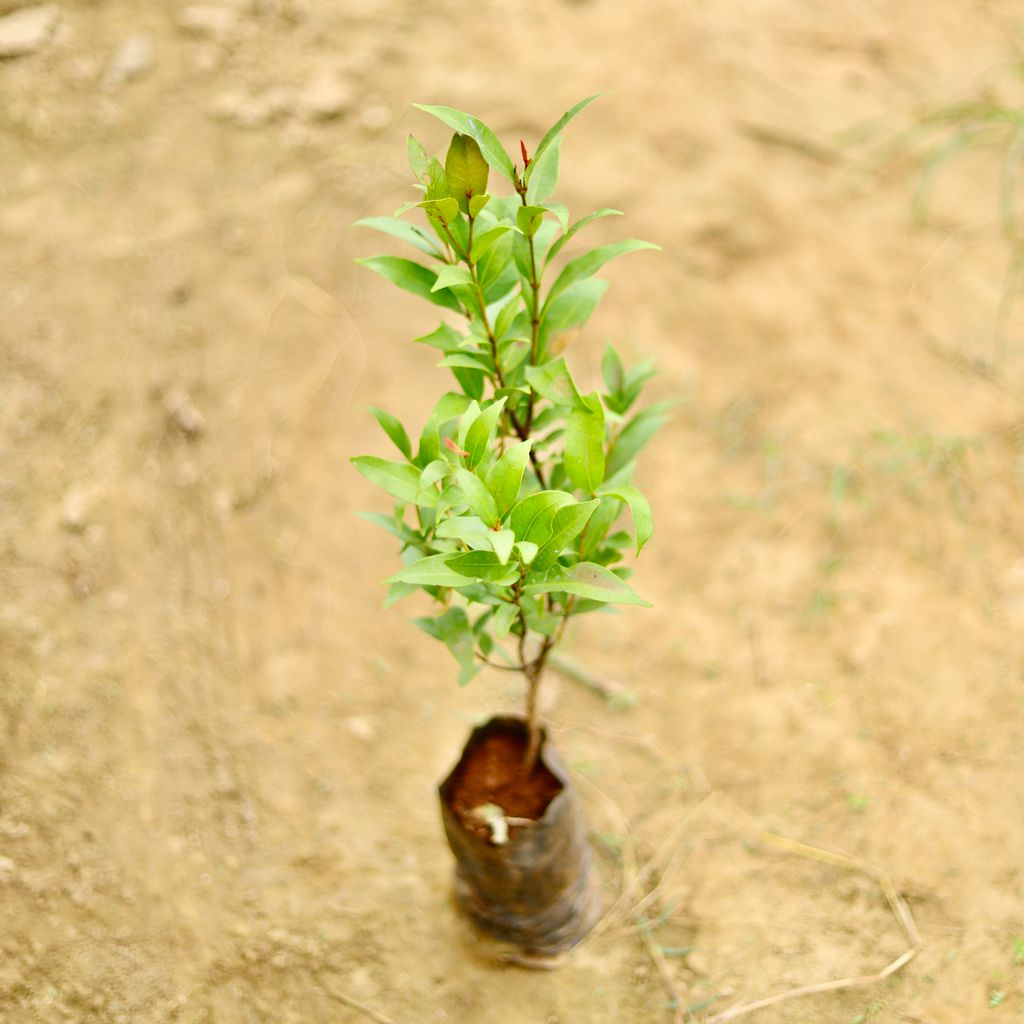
679, 1013
604, 687
899, 908
631, 874
352, 1004
620, 911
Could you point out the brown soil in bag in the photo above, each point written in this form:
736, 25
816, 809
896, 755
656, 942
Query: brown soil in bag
492, 773
534, 890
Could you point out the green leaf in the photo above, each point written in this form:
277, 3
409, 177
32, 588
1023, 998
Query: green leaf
584, 445
451, 497
470, 530
396, 591
531, 519
598, 526
476, 204
399, 479
394, 429
612, 370
635, 380
553, 381
552, 134
528, 550
471, 381
412, 277
590, 263
429, 572
445, 338
502, 541
451, 275
490, 147
640, 509
538, 620
588, 580
418, 158
572, 309
561, 212
494, 265
543, 174
503, 619
581, 223
454, 631
505, 477
434, 472
469, 415
483, 241
483, 565
400, 229
466, 169
528, 219
478, 497
430, 443
567, 524
634, 435
481, 433
450, 406
442, 213
466, 361
385, 522
507, 316
437, 184
512, 352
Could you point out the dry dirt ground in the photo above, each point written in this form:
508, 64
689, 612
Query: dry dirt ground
219, 752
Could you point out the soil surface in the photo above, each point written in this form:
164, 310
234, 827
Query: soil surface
219, 754
492, 773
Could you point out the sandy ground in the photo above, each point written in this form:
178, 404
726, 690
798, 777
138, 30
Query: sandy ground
217, 752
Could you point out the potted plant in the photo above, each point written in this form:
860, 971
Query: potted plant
507, 508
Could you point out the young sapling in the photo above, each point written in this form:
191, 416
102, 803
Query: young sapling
507, 509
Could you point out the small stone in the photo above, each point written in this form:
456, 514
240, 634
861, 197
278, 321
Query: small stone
25, 31
698, 964
75, 510
360, 728
208, 21
326, 96
183, 413
134, 59
375, 116
245, 111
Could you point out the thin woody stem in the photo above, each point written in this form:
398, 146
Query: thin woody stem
534, 672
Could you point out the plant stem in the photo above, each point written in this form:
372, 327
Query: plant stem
534, 672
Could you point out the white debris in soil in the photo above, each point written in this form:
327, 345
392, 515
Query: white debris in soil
25, 31
376, 116
253, 111
134, 59
360, 728
494, 818
74, 511
208, 21
183, 413
326, 96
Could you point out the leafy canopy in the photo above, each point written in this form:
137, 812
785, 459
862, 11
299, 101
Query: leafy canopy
507, 508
